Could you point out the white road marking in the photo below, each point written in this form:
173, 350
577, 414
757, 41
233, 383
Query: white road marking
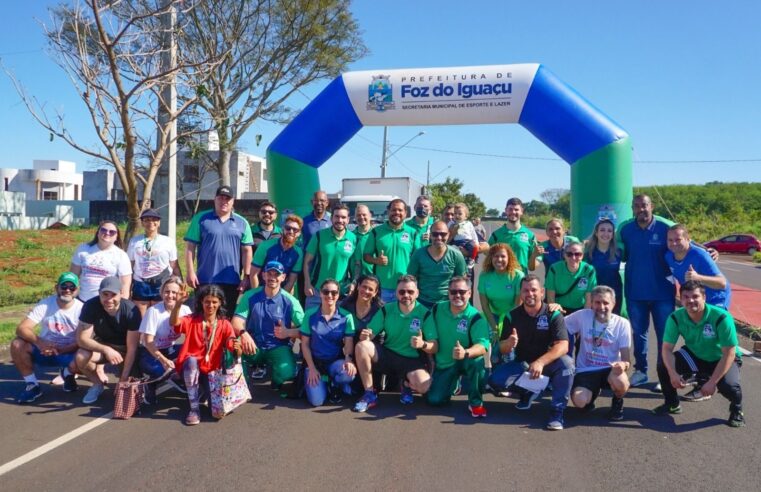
748, 353
69, 436
731, 269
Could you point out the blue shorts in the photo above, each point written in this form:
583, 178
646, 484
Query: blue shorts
144, 291
60, 360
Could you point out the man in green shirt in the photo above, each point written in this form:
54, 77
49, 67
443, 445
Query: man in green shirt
363, 219
520, 239
459, 337
422, 221
400, 321
267, 227
709, 352
330, 254
435, 265
390, 246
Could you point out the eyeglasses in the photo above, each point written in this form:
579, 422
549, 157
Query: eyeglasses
291, 229
458, 292
401, 292
572, 254
68, 286
439, 234
332, 293
268, 212
147, 246
108, 232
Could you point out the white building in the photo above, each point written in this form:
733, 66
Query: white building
47, 180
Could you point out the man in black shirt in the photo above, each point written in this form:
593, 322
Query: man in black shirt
107, 334
540, 342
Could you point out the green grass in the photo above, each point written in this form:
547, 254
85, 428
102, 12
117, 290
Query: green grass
7, 331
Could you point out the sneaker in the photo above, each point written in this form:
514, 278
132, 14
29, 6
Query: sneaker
616, 412
666, 409
406, 397
335, 395
638, 379
69, 382
478, 411
458, 387
368, 401
526, 400
589, 406
736, 419
696, 395
57, 381
178, 385
93, 394
193, 418
259, 372
30, 393
658, 388
556, 421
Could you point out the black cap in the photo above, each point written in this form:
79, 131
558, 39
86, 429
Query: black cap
226, 191
150, 213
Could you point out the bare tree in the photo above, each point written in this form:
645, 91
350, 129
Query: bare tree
268, 50
114, 53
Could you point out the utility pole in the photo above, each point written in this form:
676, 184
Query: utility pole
384, 156
167, 108
428, 176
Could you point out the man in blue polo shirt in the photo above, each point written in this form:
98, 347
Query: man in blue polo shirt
266, 319
221, 240
282, 249
318, 220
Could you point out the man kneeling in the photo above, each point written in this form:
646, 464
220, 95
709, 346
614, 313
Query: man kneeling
603, 358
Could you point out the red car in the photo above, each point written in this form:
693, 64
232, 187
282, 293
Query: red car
736, 243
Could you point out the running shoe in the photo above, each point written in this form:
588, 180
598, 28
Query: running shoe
406, 397
616, 411
667, 409
478, 411
335, 396
526, 400
736, 419
93, 394
259, 372
696, 395
368, 401
638, 379
193, 418
658, 388
30, 393
556, 421
69, 382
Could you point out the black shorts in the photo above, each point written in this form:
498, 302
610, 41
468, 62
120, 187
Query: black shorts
389, 362
594, 381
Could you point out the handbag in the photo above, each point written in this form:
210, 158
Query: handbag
127, 398
228, 389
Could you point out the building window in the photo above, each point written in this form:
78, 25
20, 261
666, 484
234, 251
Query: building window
7, 183
191, 173
50, 195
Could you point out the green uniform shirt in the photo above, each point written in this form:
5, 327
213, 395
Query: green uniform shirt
332, 256
522, 242
433, 276
568, 292
397, 245
399, 327
367, 268
706, 337
469, 327
421, 229
501, 290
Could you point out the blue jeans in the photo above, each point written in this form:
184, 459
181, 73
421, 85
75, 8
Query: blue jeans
388, 295
639, 316
150, 365
560, 372
336, 375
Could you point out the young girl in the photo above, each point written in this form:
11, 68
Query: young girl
207, 333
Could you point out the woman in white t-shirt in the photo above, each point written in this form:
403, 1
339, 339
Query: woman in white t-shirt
100, 258
154, 259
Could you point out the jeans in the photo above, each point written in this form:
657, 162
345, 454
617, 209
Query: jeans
445, 381
336, 376
639, 316
150, 365
560, 372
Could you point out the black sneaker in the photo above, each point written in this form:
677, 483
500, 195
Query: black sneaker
736, 419
526, 400
589, 406
667, 409
69, 382
335, 397
616, 409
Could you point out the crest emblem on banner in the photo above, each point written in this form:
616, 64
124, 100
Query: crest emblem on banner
379, 94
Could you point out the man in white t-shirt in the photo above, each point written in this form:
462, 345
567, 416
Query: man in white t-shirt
604, 352
56, 343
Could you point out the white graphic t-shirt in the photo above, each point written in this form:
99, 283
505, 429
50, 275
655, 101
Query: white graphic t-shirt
600, 343
151, 257
98, 264
156, 323
57, 325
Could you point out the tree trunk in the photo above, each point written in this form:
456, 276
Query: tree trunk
223, 167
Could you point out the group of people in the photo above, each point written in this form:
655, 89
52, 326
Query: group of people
331, 312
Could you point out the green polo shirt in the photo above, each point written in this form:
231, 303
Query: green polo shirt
367, 268
569, 292
332, 256
716, 329
398, 245
433, 276
501, 289
522, 242
399, 327
467, 327
421, 229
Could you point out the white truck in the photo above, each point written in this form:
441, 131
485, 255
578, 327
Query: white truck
377, 192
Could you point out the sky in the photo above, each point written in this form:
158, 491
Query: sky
681, 77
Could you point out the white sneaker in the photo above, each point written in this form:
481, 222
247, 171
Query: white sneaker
638, 379
658, 388
93, 394
696, 395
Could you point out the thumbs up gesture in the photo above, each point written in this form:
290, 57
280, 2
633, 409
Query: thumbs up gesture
382, 259
458, 352
416, 341
280, 330
513, 338
691, 274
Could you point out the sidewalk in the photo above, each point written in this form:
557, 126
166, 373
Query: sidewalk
746, 304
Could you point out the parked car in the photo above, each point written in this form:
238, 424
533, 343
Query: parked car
736, 243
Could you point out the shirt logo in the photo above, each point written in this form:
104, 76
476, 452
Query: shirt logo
523, 237
542, 323
415, 324
348, 247
462, 325
405, 237
582, 284
708, 331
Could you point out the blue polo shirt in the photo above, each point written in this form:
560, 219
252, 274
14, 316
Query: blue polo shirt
218, 246
326, 336
272, 250
552, 254
646, 271
607, 270
702, 263
312, 226
262, 313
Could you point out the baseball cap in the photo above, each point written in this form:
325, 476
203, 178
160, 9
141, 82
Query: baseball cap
150, 213
225, 190
110, 284
68, 277
274, 265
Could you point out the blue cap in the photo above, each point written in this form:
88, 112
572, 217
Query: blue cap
274, 265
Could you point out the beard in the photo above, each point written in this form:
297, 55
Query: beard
288, 240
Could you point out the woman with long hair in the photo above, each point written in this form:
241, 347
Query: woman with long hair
603, 253
557, 239
102, 257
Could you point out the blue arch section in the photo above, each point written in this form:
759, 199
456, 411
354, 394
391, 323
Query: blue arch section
564, 121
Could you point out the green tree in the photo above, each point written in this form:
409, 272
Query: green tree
450, 192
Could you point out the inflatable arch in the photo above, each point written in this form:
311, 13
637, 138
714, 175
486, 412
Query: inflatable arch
598, 149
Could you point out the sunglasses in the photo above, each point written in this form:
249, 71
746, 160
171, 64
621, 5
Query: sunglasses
401, 292
291, 229
571, 254
268, 212
68, 286
108, 232
327, 292
458, 292
439, 234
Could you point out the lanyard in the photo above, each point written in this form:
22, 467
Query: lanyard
597, 337
209, 338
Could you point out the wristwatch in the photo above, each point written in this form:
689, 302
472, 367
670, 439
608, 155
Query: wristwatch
467, 355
